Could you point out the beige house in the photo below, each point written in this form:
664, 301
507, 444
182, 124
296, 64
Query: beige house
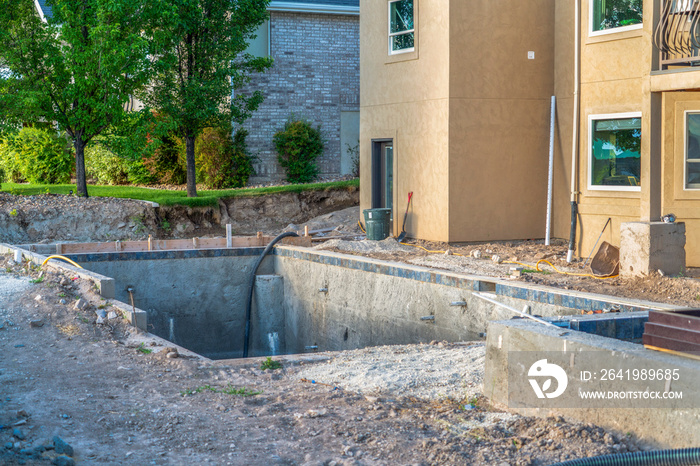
455, 107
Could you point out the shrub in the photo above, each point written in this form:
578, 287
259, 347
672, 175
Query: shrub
168, 164
104, 166
354, 153
298, 146
37, 156
223, 161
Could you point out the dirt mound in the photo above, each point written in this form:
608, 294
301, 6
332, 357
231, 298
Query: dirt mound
51, 218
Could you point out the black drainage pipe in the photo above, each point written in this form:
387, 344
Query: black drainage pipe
680, 457
572, 232
251, 285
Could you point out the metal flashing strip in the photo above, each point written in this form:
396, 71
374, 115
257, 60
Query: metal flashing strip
300, 7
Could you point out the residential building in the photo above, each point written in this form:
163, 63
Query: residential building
456, 108
316, 75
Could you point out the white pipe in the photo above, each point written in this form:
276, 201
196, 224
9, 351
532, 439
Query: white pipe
512, 309
551, 170
577, 84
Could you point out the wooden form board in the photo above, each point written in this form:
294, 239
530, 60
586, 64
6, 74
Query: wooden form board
176, 244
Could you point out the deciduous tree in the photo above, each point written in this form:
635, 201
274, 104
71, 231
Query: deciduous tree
81, 67
199, 73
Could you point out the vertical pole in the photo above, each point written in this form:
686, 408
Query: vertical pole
551, 171
229, 240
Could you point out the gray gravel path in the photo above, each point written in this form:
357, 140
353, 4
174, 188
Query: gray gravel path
427, 372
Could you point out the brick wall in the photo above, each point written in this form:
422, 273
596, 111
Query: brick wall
316, 75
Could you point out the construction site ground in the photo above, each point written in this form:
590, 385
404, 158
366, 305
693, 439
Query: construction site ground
116, 395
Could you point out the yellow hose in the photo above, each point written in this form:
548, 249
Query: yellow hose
429, 251
537, 268
62, 258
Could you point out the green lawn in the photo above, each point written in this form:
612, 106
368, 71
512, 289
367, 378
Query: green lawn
166, 197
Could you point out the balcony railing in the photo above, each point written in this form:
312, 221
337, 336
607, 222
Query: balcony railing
677, 34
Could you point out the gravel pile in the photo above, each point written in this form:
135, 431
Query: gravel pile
10, 286
428, 372
467, 265
366, 246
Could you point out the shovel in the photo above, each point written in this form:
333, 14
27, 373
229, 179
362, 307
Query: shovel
606, 262
402, 236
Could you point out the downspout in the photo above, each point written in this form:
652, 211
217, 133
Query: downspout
574, 136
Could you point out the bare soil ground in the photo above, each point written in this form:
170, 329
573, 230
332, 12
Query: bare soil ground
497, 258
113, 396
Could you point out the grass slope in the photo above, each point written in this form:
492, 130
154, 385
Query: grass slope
167, 197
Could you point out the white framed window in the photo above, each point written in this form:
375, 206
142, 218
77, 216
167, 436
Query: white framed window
691, 162
610, 16
614, 151
401, 27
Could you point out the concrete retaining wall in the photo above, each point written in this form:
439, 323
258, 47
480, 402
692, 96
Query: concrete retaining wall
506, 381
335, 301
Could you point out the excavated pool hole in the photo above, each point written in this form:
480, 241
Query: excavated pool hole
307, 300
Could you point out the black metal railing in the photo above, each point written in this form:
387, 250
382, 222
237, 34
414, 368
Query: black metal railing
677, 34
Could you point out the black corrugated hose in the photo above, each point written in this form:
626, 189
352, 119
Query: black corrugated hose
249, 303
680, 457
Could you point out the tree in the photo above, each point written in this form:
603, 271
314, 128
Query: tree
78, 69
197, 73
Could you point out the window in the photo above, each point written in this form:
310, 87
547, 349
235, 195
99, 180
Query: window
615, 15
614, 157
401, 31
260, 45
692, 150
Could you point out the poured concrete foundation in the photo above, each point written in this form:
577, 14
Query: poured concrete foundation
512, 346
306, 300
648, 247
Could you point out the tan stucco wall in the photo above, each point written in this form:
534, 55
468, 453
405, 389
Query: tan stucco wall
499, 117
405, 97
564, 92
469, 115
675, 199
498, 169
613, 71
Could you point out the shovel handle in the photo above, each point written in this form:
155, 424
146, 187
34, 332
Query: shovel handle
403, 227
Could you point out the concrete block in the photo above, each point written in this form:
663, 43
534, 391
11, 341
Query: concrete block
106, 286
512, 345
647, 247
267, 320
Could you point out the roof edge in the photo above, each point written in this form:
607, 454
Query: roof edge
40, 10
301, 7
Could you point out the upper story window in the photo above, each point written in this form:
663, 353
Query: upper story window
615, 15
692, 150
401, 28
614, 162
